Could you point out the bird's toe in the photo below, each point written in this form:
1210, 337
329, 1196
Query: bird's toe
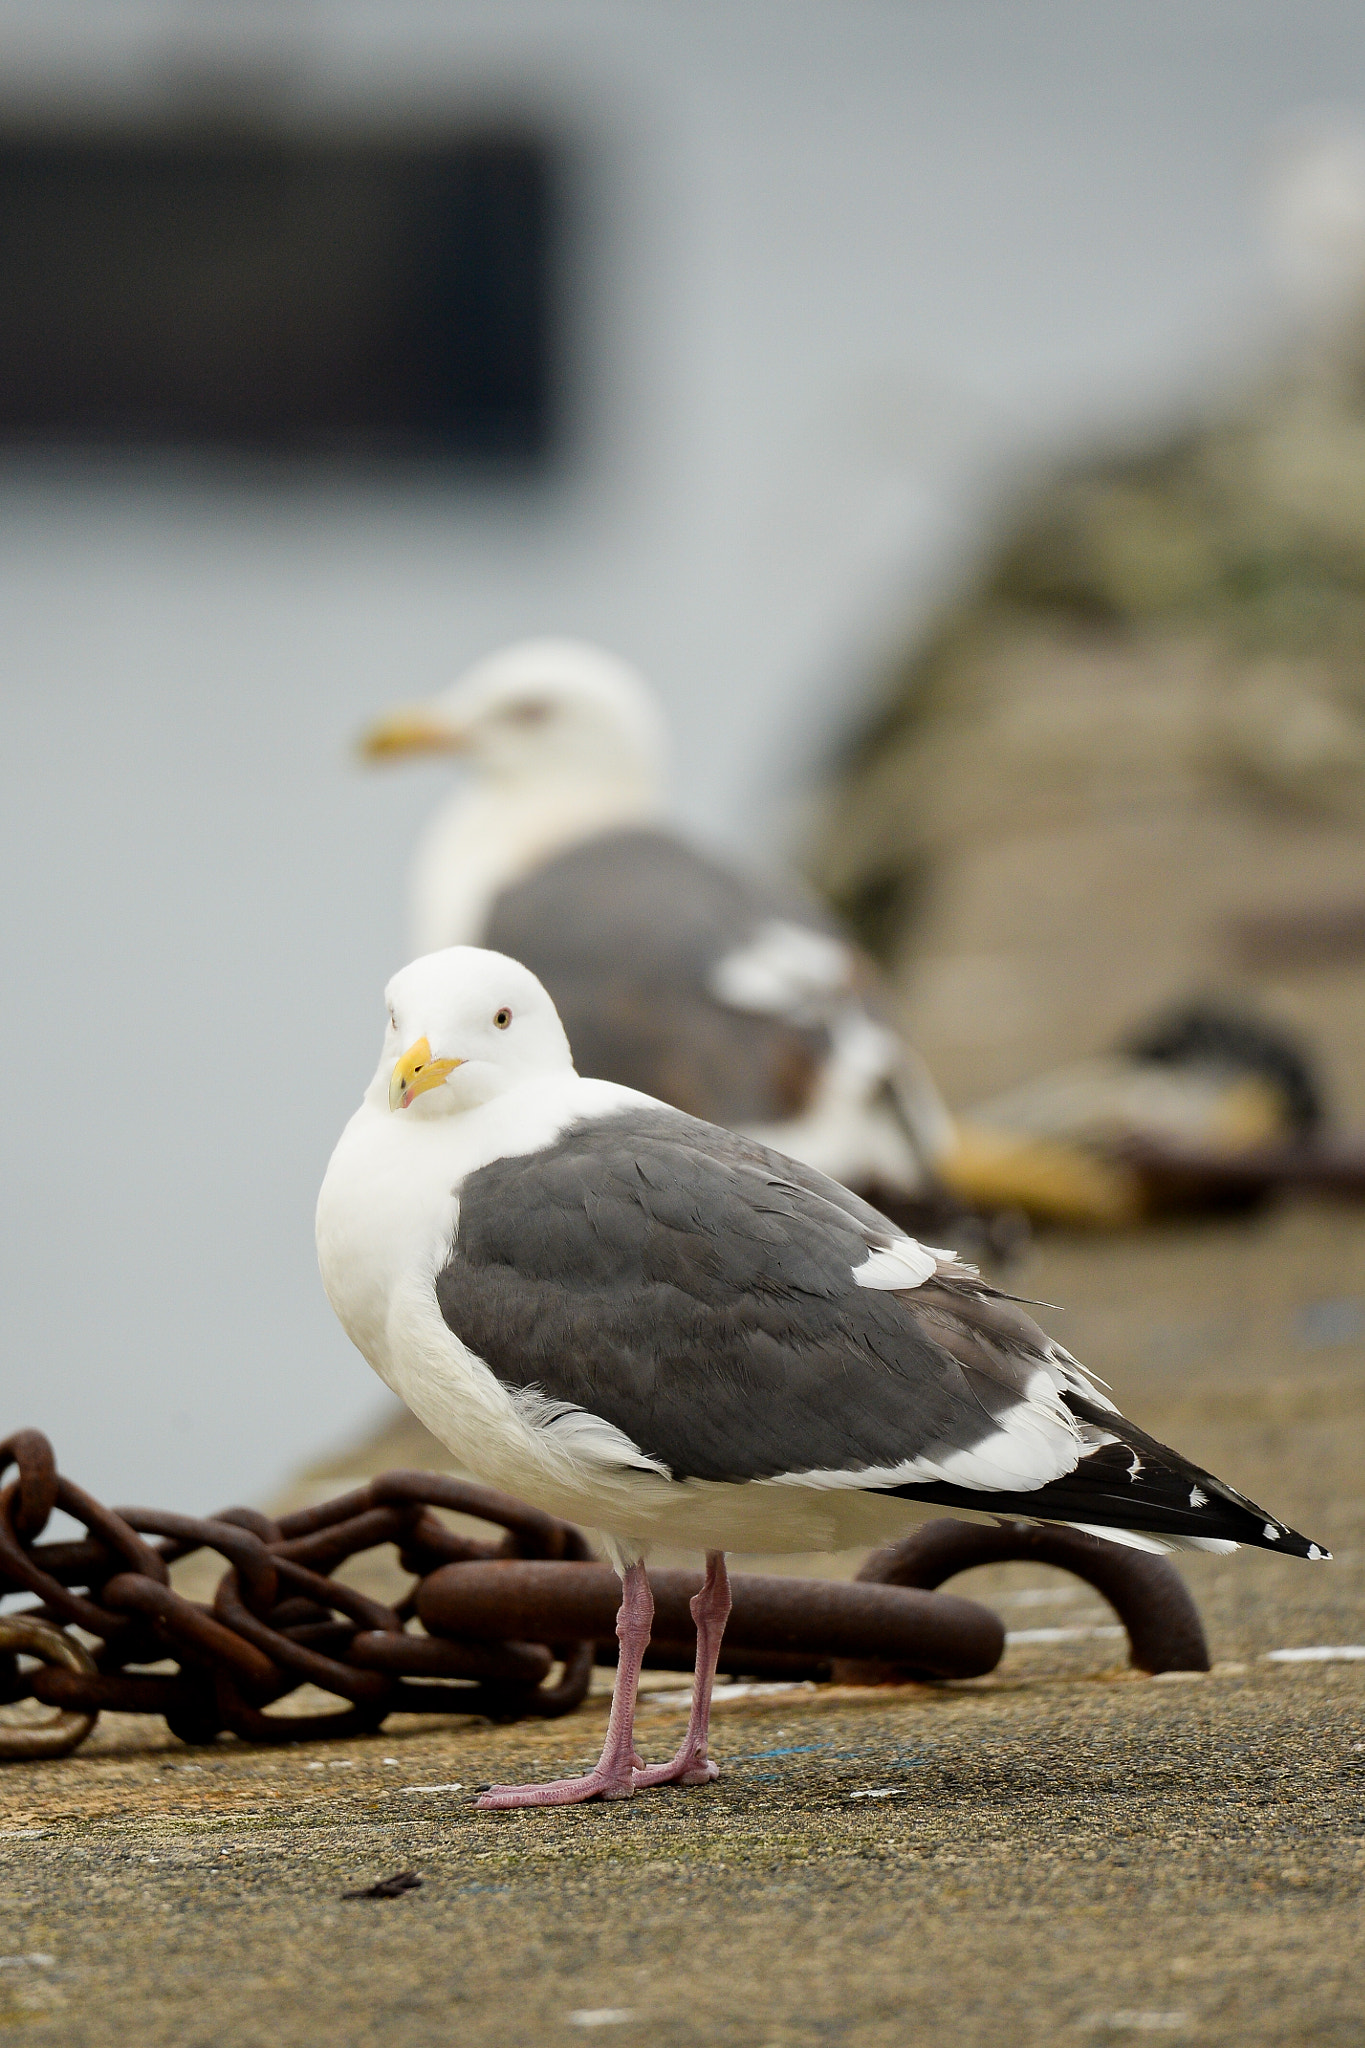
677, 1772
557, 1792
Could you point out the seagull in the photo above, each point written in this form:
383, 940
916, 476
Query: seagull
732, 997
653, 1325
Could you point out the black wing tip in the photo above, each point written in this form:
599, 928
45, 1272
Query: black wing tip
1275, 1536
1158, 1480
1103, 1497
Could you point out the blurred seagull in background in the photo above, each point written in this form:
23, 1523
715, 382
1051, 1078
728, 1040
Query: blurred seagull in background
647, 1323
735, 999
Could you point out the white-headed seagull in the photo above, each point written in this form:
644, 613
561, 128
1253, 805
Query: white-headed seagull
732, 996
677, 1335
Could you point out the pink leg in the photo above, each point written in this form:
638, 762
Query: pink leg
710, 1611
611, 1777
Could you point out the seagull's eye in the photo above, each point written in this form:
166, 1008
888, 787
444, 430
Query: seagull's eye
502, 1018
393, 1021
530, 711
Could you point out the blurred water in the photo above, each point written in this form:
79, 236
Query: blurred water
836, 269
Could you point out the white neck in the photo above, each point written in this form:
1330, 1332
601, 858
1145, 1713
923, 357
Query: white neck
493, 834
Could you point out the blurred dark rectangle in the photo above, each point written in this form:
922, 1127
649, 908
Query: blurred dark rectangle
344, 297
1318, 935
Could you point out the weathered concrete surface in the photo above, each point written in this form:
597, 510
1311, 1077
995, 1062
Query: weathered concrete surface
1064, 1853
1049, 1861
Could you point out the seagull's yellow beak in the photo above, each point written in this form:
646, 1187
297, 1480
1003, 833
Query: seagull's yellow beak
416, 1072
418, 731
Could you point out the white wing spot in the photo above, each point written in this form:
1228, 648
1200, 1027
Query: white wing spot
1135, 1469
902, 1264
1198, 1497
785, 969
589, 1440
1272, 1534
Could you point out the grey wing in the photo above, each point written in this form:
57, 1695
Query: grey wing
678, 976
699, 1293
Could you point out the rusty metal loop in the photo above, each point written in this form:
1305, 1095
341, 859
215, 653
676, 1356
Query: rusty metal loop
22, 1634
264, 1526
77, 1563
197, 1715
548, 1702
240, 1546
109, 1527
23, 1573
429, 1543
537, 1534
361, 1687
1145, 1591
341, 1508
118, 1543
254, 1725
324, 1549
821, 1619
121, 1692
347, 1600
30, 1450
432, 1657
191, 1630
482, 1625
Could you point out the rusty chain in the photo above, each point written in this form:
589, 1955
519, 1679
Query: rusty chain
506, 1629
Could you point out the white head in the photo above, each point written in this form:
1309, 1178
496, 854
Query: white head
463, 1026
542, 709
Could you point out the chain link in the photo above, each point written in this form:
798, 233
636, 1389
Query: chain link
505, 1629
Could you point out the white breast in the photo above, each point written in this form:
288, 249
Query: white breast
388, 1210
387, 1216
389, 1206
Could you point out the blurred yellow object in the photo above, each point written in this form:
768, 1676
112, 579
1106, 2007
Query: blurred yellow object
1056, 1148
1049, 1179
1248, 1112
409, 732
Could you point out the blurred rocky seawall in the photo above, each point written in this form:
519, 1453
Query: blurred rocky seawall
1127, 763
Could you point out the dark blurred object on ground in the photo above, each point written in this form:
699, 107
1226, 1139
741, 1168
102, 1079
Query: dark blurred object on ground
1312, 937
1129, 761
388, 1887
1206, 1107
